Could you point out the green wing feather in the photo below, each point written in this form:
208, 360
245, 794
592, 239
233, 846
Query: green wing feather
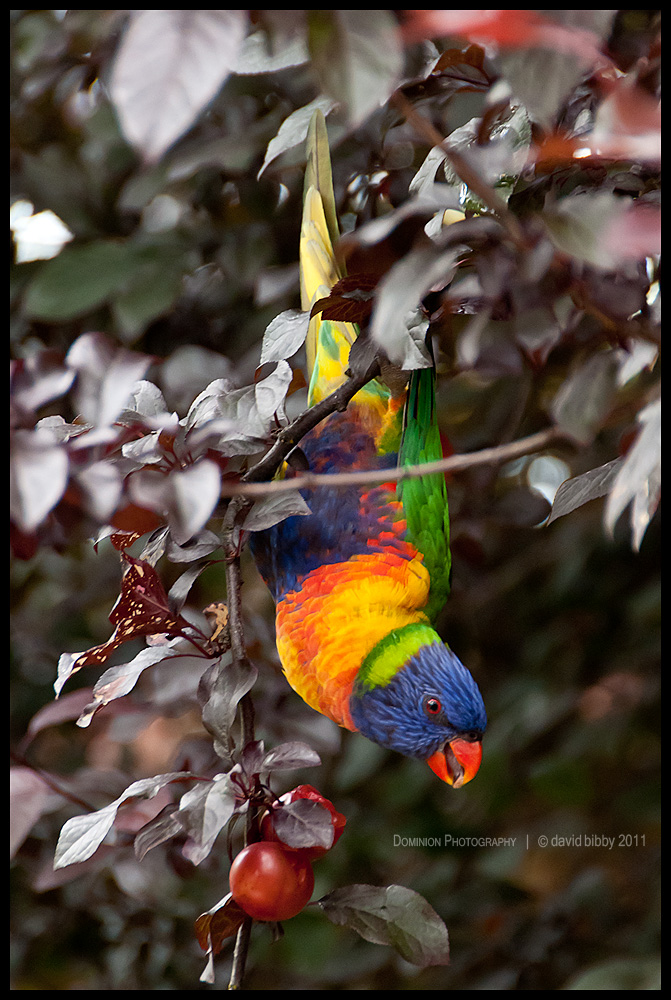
424, 498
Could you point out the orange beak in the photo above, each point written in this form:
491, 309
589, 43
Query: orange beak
457, 762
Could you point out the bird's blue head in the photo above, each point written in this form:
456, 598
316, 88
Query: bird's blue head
413, 695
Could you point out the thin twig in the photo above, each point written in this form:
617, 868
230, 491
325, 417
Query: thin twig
238, 649
495, 455
51, 782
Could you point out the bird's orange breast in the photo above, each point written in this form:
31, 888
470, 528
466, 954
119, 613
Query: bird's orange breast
327, 627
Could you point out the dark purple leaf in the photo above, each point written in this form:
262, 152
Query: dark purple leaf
65, 709
294, 130
581, 489
101, 486
271, 391
219, 693
38, 472
118, 681
284, 336
202, 544
106, 376
358, 57
289, 48
181, 587
289, 756
218, 924
81, 836
203, 813
146, 405
585, 225
391, 915
157, 831
37, 380
399, 295
274, 508
143, 608
252, 758
303, 823
639, 479
169, 66
586, 396
29, 798
227, 420
186, 497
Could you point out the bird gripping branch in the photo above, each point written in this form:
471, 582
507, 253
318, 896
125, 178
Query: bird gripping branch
359, 581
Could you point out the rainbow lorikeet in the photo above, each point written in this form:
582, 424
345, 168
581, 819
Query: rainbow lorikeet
359, 581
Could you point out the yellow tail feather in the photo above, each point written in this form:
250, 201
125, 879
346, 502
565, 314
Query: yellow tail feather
328, 343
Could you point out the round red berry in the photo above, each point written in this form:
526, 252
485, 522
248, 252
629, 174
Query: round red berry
270, 882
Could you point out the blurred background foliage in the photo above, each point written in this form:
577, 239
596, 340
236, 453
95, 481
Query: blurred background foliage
186, 255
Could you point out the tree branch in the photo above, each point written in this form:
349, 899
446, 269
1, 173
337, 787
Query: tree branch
495, 455
51, 782
289, 436
239, 653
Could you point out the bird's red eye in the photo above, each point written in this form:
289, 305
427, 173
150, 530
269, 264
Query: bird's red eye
432, 706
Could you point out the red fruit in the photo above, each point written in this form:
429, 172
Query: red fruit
305, 792
270, 882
